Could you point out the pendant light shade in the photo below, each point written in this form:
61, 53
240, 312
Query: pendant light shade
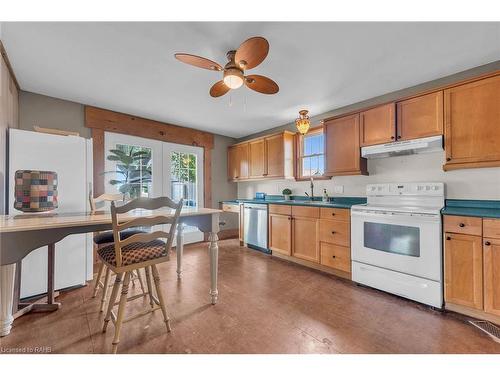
303, 123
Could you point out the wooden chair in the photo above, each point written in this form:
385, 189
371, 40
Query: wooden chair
139, 251
103, 239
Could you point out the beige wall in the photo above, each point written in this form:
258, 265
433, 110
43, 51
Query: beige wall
50, 112
482, 183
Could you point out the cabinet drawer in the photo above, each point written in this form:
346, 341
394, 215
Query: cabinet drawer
335, 232
491, 228
336, 213
231, 208
463, 225
335, 256
280, 209
305, 211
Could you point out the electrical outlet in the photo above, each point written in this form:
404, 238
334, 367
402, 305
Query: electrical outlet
339, 189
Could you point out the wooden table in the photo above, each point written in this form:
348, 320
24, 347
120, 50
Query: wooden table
21, 234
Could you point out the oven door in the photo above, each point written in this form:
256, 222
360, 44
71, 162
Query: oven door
402, 242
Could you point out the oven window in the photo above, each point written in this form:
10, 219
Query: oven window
397, 239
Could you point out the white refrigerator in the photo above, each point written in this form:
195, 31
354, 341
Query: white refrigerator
71, 158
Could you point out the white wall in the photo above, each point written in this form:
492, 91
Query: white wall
479, 183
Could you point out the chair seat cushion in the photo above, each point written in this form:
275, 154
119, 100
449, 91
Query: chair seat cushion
135, 252
107, 237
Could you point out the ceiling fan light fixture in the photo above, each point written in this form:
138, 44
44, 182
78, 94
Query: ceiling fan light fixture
302, 122
233, 78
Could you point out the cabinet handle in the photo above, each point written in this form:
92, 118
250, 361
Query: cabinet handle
461, 225
448, 238
333, 256
448, 159
399, 137
392, 137
333, 232
333, 213
487, 243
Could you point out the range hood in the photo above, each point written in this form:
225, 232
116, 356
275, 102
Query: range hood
414, 146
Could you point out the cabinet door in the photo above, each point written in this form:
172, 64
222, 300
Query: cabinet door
275, 157
420, 117
233, 167
342, 147
491, 254
463, 270
472, 120
378, 125
242, 160
280, 233
257, 158
305, 238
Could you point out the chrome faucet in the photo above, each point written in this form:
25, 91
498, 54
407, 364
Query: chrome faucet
311, 197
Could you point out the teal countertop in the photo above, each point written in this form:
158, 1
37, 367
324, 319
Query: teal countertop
466, 207
336, 202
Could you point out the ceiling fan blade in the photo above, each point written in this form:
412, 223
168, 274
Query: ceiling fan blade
198, 61
252, 52
218, 89
261, 84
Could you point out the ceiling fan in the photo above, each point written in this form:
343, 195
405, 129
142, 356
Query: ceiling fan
250, 54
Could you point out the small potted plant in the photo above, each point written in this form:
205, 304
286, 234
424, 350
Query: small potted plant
286, 193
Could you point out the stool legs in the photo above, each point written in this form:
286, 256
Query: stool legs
98, 280
112, 299
105, 289
121, 311
159, 293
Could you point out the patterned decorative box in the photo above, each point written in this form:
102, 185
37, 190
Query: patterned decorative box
35, 191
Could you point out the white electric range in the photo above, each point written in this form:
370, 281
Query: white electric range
396, 240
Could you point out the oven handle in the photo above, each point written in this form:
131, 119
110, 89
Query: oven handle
360, 214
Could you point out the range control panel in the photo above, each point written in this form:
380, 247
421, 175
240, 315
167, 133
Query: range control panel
408, 188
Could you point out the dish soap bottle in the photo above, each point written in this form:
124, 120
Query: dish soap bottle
325, 196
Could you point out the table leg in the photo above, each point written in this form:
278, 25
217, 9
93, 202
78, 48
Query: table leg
179, 248
51, 262
213, 249
7, 275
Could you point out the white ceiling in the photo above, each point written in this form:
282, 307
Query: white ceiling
129, 67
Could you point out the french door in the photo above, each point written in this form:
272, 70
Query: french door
150, 168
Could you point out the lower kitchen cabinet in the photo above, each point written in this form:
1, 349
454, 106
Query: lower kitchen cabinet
280, 233
335, 256
305, 238
491, 258
315, 237
463, 264
472, 266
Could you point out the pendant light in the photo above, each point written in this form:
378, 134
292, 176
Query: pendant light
302, 122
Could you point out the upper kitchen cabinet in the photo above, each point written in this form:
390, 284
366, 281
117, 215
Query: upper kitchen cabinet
378, 125
342, 147
420, 117
238, 157
257, 158
472, 120
265, 157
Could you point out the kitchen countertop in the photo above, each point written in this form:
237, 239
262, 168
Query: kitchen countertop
336, 202
466, 207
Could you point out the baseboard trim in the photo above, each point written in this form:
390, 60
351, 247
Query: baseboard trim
470, 312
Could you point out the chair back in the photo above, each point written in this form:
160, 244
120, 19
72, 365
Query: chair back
102, 198
146, 204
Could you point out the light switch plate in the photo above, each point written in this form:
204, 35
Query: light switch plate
339, 189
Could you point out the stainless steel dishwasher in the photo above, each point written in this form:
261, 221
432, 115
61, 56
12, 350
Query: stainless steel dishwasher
255, 226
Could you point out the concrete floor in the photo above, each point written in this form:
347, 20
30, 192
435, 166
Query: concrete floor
266, 305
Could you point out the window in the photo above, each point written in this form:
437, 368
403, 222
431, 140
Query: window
183, 177
133, 169
311, 154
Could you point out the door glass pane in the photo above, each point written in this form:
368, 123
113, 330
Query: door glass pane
397, 239
183, 178
133, 170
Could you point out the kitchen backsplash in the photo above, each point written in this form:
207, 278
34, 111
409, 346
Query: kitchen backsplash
478, 183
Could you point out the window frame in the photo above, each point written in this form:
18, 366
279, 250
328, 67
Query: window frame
299, 154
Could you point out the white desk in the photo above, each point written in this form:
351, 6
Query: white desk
21, 234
